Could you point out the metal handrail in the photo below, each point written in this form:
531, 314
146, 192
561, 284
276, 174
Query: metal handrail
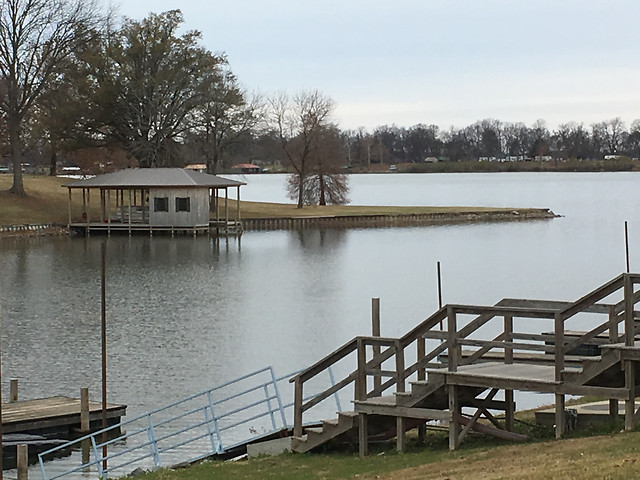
210, 413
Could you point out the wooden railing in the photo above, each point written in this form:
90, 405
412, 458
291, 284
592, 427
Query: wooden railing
454, 337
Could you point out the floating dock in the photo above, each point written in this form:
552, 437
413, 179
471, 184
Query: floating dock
60, 415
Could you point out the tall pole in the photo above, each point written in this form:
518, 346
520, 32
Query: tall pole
104, 353
439, 292
626, 243
1, 426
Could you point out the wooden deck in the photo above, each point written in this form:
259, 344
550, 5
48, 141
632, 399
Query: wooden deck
57, 414
515, 376
488, 358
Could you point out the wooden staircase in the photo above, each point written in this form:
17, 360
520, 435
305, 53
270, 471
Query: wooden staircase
442, 380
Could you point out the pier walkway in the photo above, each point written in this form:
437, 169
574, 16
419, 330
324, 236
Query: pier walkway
475, 357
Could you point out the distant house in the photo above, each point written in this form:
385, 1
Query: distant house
154, 200
197, 167
246, 168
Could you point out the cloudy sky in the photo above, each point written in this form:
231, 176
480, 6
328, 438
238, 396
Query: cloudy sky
443, 62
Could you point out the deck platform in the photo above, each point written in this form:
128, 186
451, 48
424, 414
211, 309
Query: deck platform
54, 414
515, 376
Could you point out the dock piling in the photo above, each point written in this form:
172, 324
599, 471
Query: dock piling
23, 462
13, 390
84, 410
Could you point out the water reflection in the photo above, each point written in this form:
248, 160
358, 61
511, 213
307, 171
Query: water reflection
187, 313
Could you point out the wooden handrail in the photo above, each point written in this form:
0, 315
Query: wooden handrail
452, 339
593, 297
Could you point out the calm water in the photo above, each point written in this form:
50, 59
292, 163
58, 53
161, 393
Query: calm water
185, 314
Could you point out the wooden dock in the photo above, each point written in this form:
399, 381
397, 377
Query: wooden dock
60, 415
487, 358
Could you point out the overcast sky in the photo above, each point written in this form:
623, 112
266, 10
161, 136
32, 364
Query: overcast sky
443, 62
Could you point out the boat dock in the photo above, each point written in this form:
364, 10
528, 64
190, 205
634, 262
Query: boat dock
59, 415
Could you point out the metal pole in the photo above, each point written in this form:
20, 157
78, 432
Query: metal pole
1, 425
439, 292
104, 353
626, 242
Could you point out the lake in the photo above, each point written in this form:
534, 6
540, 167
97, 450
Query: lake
185, 314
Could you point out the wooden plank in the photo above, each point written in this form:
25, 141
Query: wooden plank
550, 305
494, 432
391, 410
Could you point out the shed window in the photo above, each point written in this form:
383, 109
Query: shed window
160, 204
183, 204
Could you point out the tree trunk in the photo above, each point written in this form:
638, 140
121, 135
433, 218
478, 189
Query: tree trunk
323, 200
300, 190
16, 151
53, 162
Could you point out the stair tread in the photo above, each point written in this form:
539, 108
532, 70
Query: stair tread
317, 430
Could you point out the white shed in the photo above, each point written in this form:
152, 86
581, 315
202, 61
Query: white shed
156, 199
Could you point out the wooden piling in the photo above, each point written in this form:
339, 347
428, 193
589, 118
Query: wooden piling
23, 462
13, 390
84, 410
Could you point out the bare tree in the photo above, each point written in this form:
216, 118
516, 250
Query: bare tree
299, 123
36, 37
325, 183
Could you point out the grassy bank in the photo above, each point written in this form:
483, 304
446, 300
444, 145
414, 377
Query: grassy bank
47, 202
614, 456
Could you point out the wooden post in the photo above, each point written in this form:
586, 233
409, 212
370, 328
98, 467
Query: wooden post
629, 324
84, 410
401, 439
508, 337
399, 367
13, 390
509, 414
560, 422
452, 353
23, 462
559, 346
454, 423
361, 379
297, 408
363, 435
626, 243
614, 407
630, 404
375, 328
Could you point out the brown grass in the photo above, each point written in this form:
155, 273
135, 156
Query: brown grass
47, 202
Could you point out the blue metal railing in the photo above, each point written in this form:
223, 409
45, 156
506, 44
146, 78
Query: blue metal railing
208, 423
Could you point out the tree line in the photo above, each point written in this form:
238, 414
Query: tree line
79, 85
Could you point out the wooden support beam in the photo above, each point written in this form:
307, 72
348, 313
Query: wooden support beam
560, 421
401, 442
509, 413
375, 331
363, 435
454, 423
297, 408
469, 424
629, 405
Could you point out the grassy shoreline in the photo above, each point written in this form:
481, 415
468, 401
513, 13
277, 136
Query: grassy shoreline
47, 202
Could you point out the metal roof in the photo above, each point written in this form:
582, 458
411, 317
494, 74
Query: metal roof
154, 177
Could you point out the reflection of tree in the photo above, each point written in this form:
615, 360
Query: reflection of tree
318, 239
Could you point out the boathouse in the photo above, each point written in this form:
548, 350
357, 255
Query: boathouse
149, 200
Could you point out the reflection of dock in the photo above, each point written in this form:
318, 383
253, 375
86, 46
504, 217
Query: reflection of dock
54, 414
